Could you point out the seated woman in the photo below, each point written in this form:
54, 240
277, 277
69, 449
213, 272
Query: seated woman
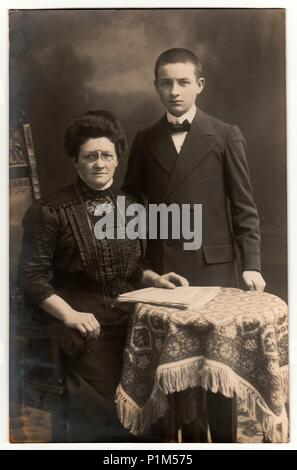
73, 278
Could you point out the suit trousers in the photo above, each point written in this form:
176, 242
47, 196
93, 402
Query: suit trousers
214, 413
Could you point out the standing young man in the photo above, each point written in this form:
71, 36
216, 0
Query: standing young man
189, 157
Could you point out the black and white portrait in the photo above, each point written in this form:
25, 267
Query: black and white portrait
148, 339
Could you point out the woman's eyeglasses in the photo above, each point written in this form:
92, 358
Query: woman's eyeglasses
104, 156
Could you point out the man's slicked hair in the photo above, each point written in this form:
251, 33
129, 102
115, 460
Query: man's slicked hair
177, 55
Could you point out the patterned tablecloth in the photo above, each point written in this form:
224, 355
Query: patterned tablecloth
236, 343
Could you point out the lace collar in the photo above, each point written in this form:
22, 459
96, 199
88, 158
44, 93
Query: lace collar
88, 193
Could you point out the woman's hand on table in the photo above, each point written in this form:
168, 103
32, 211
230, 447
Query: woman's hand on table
170, 281
254, 280
85, 323
166, 281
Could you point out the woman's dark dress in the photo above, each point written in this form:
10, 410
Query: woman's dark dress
60, 255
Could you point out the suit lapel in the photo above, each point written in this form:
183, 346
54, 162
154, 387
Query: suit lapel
199, 141
162, 146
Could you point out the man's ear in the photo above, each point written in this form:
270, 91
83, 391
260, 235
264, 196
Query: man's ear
200, 85
156, 86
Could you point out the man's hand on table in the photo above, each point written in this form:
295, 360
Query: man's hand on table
254, 280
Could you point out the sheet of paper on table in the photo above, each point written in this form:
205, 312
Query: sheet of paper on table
180, 297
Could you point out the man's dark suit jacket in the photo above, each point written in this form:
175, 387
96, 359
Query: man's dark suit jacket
211, 170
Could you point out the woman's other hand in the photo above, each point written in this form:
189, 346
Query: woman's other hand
170, 281
85, 323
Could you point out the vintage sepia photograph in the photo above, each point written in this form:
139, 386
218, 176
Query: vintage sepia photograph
148, 282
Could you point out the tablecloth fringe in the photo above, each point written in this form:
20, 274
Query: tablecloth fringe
211, 376
136, 419
219, 378
284, 376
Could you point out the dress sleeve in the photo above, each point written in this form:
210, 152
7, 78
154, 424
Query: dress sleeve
41, 227
141, 264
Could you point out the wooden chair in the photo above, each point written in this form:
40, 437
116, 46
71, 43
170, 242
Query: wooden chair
36, 359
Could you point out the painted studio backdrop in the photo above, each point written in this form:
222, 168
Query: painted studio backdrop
66, 62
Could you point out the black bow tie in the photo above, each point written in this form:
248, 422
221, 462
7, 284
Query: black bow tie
185, 126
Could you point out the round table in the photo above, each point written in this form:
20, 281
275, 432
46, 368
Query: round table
235, 344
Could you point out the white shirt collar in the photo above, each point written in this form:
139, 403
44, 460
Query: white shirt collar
189, 115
